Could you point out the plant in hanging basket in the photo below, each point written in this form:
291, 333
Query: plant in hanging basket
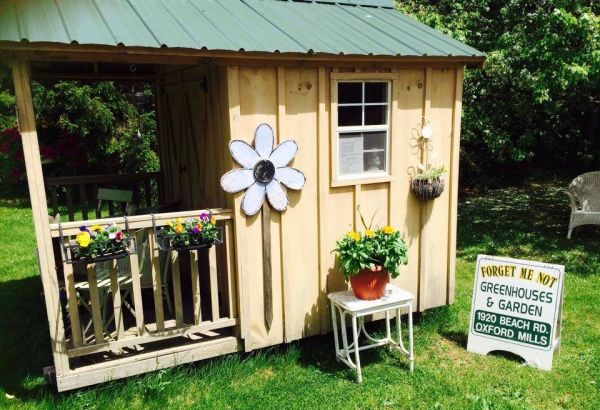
191, 233
428, 184
99, 243
368, 258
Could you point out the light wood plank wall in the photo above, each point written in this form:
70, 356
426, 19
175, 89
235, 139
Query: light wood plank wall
297, 103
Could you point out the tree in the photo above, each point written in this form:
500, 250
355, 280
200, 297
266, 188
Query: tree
82, 129
536, 102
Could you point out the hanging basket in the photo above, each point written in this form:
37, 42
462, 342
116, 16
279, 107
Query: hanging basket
427, 189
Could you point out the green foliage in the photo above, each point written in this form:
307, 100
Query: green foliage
536, 101
116, 138
381, 247
431, 173
82, 129
7, 100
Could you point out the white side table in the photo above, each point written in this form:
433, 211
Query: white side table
347, 304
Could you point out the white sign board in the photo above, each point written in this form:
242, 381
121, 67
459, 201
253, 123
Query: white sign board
517, 308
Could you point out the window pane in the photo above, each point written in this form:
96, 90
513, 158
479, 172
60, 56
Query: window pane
374, 161
374, 140
376, 92
349, 93
376, 114
351, 153
349, 116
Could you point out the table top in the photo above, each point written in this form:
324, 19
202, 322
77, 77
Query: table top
393, 296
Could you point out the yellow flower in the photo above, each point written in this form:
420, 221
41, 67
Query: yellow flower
388, 230
354, 235
213, 220
179, 221
83, 239
96, 228
370, 233
178, 228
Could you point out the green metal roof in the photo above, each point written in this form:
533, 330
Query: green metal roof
349, 27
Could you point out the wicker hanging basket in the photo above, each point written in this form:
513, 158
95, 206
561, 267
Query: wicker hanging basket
427, 189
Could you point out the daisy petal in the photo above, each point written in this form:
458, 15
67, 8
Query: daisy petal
263, 140
253, 199
277, 196
290, 177
284, 153
237, 180
243, 153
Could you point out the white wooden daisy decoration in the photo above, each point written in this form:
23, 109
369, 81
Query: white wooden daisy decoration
264, 171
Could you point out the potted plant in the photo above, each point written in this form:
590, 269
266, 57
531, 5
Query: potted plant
427, 183
190, 233
100, 243
368, 258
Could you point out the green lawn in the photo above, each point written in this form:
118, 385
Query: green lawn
525, 222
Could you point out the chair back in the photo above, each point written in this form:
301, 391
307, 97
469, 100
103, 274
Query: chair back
111, 196
585, 190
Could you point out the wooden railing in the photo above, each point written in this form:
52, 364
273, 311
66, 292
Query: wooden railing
210, 308
81, 192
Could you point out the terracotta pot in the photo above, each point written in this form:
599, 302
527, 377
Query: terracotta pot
369, 284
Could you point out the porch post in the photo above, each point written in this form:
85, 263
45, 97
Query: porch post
37, 193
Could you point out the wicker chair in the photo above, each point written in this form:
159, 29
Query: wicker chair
584, 192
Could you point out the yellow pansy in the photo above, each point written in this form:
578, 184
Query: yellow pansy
213, 220
178, 228
354, 235
370, 233
83, 239
179, 221
388, 230
96, 228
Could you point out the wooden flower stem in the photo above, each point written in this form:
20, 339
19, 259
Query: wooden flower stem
267, 277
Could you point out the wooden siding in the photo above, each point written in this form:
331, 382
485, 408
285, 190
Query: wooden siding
297, 102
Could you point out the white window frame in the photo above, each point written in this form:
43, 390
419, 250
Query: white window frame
365, 177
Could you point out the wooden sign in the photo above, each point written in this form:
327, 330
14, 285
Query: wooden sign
517, 308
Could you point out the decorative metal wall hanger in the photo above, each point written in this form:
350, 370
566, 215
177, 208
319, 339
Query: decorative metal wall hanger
420, 144
264, 169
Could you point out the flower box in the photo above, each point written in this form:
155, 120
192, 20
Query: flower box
188, 234
98, 244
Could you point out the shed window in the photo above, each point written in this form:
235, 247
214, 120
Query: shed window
363, 128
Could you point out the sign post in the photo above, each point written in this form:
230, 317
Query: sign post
517, 308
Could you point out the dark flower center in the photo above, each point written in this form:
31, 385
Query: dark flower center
264, 171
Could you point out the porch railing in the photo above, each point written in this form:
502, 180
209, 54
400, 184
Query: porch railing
209, 311
80, 192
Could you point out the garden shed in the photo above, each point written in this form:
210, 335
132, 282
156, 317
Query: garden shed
353, 82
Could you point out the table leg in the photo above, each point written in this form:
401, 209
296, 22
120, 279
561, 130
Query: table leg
356, 349
345, 337
387, 329
335, 331
410, 338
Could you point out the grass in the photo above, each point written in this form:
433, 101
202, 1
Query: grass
523, 222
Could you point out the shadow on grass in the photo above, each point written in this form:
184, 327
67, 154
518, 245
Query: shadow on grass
527, 222
25, 341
